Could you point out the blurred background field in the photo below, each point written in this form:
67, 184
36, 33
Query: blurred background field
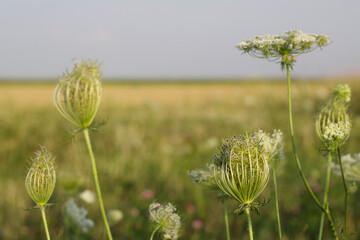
156, 132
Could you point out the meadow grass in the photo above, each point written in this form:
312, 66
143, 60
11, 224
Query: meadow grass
155, 133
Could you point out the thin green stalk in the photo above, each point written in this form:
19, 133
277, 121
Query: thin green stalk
276, 201
97, 185
153, 233
226, 221
247, 211
327, 212
346, 192
325, 201
42, 208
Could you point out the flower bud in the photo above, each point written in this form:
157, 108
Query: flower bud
244, 168
41, 178
78, 95
342, 95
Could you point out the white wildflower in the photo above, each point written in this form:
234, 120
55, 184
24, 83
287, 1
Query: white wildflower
76, 217
204, 177
351, 167
283, 46
115, 216
337, 132
87, 196
166, 217
273, 144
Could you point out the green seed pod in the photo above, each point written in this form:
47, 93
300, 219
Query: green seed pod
41, 178
78, 95
244, 168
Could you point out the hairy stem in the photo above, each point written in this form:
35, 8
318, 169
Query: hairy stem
325, 201
97, 185
327, 212
276, 201
346, 191
226, 221
247, 211
153, 233
42, 208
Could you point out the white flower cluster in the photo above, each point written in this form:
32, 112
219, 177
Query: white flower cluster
351, 167
291, 43
204, 177
337, 132
166, 217
76, 217
273, 144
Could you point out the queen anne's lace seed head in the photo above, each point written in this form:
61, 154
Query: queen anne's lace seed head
78, 95
41, 178
351, 167
166, 217
333, 122
283, 46
244, 168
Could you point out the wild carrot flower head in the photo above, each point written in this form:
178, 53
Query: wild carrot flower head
273, 144
75, 217
244, 168
41, 178
166, 217
78, 95
283, 46
351, 167
333, 122
205, 177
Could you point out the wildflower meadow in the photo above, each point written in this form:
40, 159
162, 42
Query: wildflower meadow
86, 158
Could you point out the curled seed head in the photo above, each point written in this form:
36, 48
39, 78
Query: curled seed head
41, 178
166, 217
244, 168
78, 94
333, 122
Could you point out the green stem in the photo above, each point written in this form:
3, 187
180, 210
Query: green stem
327, 212
153, 233
276, 201
42, 208
346, 191
325, 201
97, 185
226, 221
247, 211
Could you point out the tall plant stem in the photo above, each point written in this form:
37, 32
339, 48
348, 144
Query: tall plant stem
346, 191
226, 221
276, 201
247, 211
326, 211
325, 201
153, 233
42, 208
97, 185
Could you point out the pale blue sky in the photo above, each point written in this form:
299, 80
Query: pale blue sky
171, 38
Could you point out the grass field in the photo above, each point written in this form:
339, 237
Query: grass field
154, 134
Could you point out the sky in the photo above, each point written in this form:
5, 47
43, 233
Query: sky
171, 38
